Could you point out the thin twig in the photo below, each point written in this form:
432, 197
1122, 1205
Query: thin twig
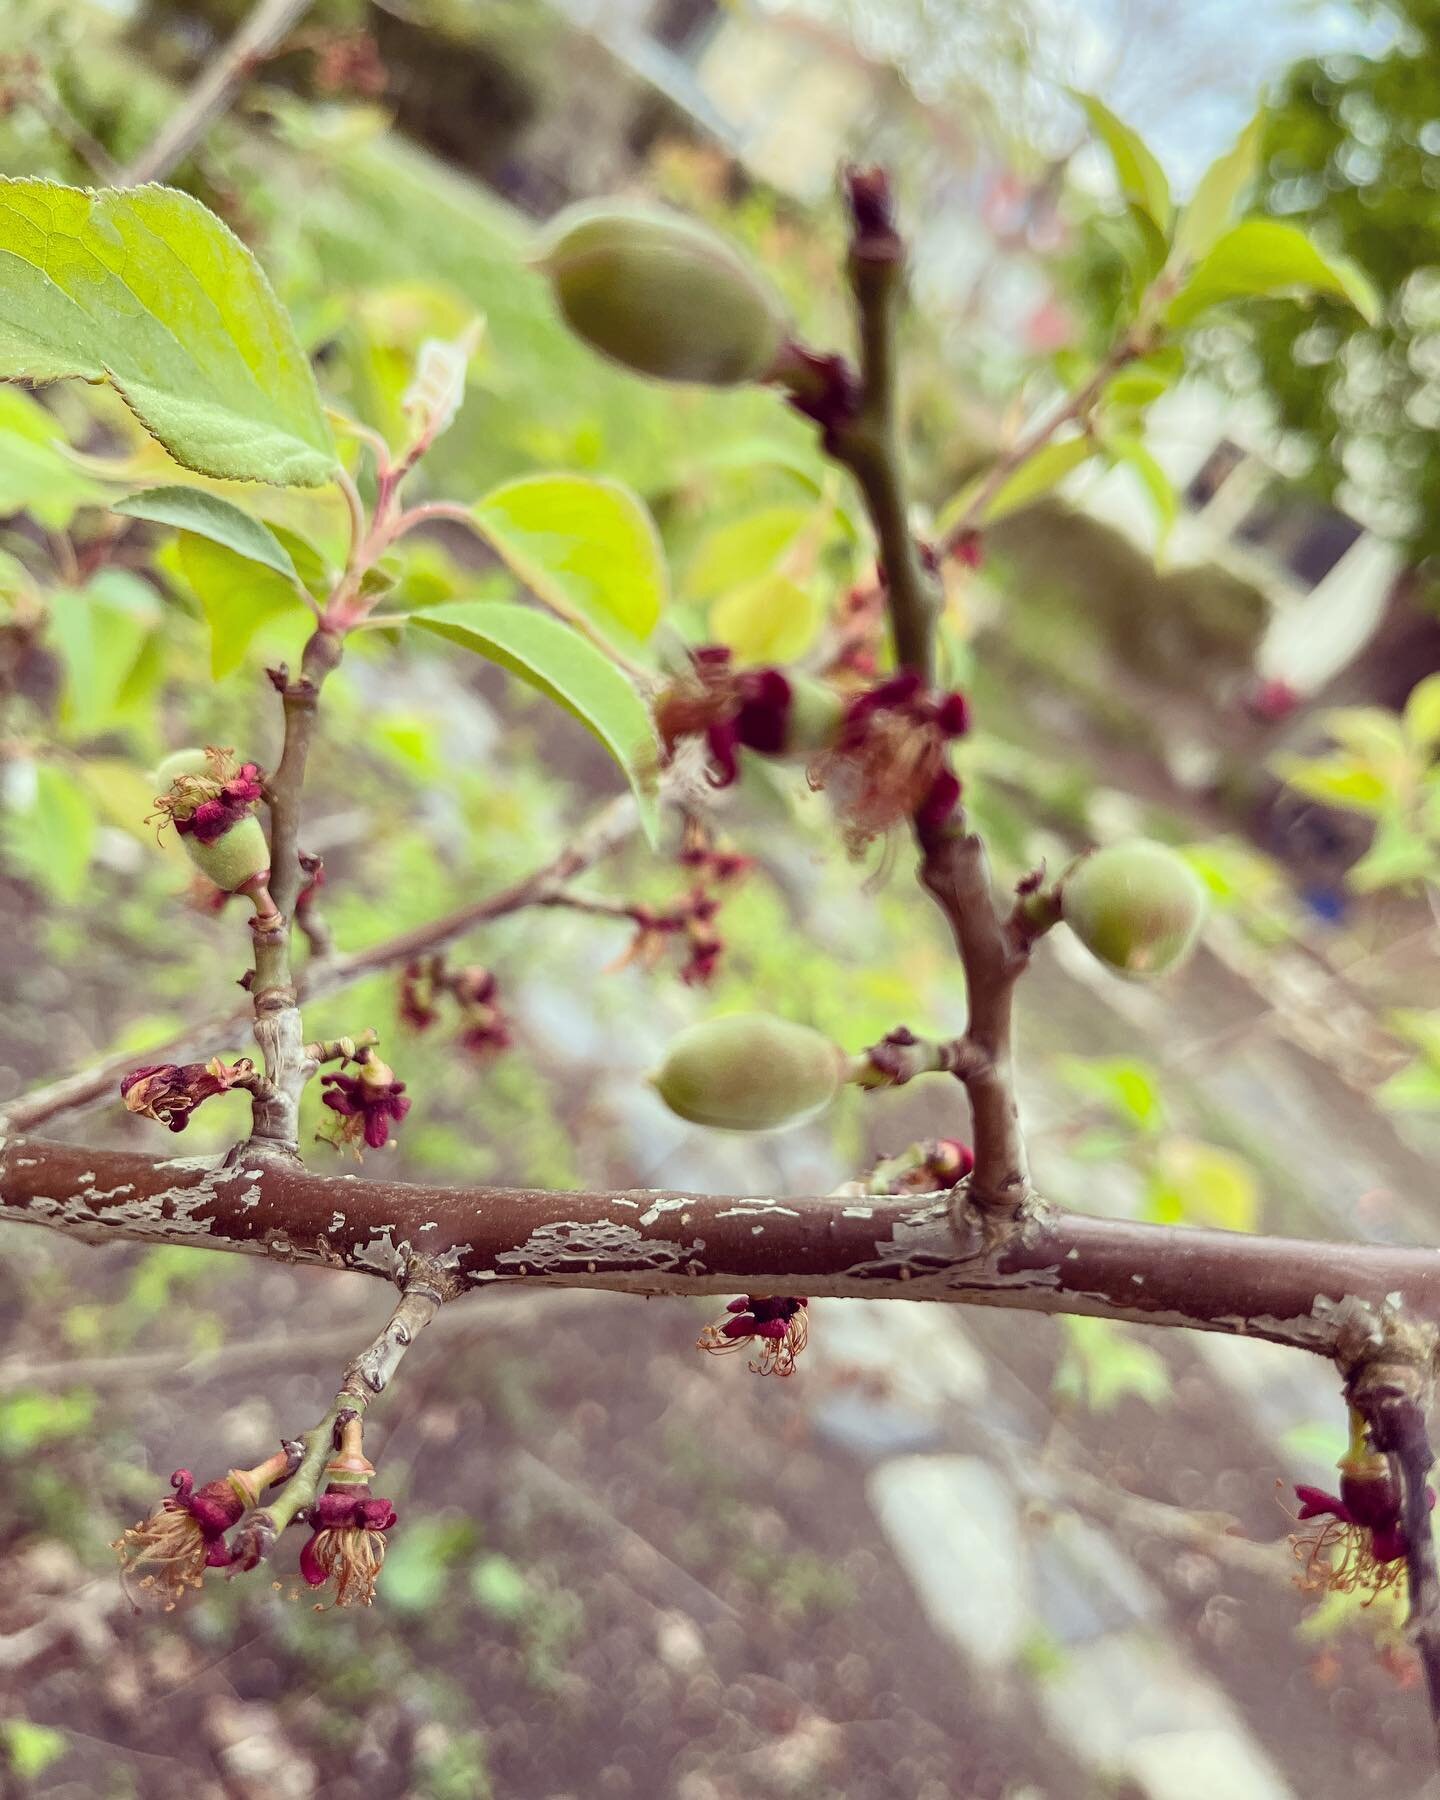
215, 89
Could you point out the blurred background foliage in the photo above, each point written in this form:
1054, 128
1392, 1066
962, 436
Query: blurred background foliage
590, 1592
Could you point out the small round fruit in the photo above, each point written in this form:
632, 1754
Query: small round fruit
232, 860
816, 714
1137, 906
180, 762
749, 1072
662, 295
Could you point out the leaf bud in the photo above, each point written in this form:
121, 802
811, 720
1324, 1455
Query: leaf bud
662, 295
749, 1072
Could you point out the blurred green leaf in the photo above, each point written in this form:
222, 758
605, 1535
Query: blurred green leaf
146, 289
568, 669
420, 1559
36, 474
1341, 780
30, 1749
585, 545
1131, 454
1422, 714
1397, 856
1036, 476
237, 596
32, 1417
501, 1588
1104, 1364
1126, 1086
99, 632
50, 835
1192, 1183
1268, 256
208, 516
1142, 180
743, 550
1212, 206
772, 620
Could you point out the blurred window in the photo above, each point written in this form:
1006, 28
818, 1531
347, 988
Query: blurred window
1303, 536
679, 24
1213, 473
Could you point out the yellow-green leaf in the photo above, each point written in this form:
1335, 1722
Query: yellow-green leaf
1269, 256
99, 632
586, 546
208, 516
36, 474
146, 289
238, 597
1193, 1183
1422, 714
744, 549
1035, 477
568, 669
1213, 202
772, 620
1142, 180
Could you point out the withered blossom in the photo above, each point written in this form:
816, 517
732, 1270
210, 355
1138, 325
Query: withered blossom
779, 1324
170, 1092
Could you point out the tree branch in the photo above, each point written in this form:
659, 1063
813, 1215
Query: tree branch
598, 838
1288, 1291
215, 88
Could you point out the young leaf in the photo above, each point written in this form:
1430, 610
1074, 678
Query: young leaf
146, 289
238, 597
1130, 453
584, 545
772, 620
36, 474
208, 516
568, 669
1268, 256
742, 550
1142, 180
49, 836
1035, 477
1194, 1183
99, 632
1422, 714
1213, 202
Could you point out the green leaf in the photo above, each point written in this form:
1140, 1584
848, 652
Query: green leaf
50, 838
1340, 780
501, 1588
743, 550
146, 289
1192, 1183
584, 545
29, 1748
1130, 453
36, 474
208, 516
772, 620
1422, 714
568, 669
99, 632
1397, 857
1268, 256
238, 597
1127, 1087
1035, 477
1142, 180
1213, 203
1103, 1363
1416, 1089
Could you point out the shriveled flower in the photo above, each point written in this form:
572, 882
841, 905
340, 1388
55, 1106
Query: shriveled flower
420, 993
366, 1104
485, 1029
779, 1324
170, 1092
347, 1526
709, 861
168, 1553
890, 761
763, 710
207, 804
1356, 1543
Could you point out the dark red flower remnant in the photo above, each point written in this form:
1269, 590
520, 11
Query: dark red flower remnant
1360, 1544
167, 1554
170, 1092
779, 1323
367, 1104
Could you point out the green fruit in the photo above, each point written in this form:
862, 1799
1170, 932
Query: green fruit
232, 860
1137, 906
749, 1072
814, 719
662, 295
180, 762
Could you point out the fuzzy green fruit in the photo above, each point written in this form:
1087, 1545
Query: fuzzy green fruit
232, 860
179, 762
662, 295
1137, 906
749, 1072
814, 719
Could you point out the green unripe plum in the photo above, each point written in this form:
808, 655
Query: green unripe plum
749, 1072
180, 762
815, 717
232, 860
1137, 906
662, 295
